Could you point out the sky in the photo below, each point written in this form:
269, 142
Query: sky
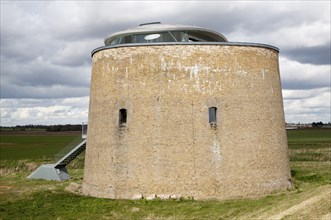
46, 50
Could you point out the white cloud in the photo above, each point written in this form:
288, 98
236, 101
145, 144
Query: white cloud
285, 24
31, 111
46, 45
305, 94
307, 105
297, 75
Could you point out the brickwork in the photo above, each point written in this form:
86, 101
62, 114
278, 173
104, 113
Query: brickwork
167, 145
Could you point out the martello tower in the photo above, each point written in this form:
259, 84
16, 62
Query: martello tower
179, 110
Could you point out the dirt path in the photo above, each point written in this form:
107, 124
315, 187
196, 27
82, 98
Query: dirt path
314, 201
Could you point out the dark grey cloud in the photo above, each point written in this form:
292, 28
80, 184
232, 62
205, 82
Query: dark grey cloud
43, 73
299, 76
10, 91
299, 84
319, 55
46, 45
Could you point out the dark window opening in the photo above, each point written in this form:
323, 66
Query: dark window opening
212, 115
123, 116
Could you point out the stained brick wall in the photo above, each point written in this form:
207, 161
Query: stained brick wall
167, 147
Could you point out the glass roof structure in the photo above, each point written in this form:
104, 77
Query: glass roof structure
156, 33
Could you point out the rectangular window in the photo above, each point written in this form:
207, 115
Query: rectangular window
212, 114
123, 116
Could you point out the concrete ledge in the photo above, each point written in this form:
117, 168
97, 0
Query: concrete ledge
49, 172
186, 43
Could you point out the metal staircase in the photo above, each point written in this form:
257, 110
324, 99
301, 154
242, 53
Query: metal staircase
58, 170
64, 161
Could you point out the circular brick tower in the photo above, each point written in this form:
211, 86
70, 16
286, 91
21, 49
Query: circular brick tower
180, 111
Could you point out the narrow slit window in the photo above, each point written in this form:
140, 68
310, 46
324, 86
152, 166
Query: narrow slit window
212, 114
123, 116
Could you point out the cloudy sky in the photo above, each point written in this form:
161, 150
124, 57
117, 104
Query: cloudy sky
46, 45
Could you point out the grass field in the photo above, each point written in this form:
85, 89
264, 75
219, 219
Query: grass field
20, 198
34, 146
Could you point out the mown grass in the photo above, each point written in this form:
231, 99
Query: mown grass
310, 156
34, 147
300, 138
21, 198
309, 144
43, 203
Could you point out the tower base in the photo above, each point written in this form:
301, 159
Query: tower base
49, 172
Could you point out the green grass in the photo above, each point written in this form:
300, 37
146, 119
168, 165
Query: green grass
311, 173
313, 137
43, 203
21, 198
45, 147
309, 144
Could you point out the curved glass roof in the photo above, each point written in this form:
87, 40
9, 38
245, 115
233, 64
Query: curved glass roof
157, 32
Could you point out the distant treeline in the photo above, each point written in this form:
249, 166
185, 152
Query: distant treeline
320, 124
50, 128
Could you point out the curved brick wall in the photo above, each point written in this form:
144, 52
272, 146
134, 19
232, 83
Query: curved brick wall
167, 145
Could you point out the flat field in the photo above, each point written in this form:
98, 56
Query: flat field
21, 145
21, 198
